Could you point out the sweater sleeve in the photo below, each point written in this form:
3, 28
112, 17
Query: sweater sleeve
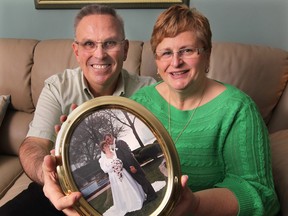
246, 154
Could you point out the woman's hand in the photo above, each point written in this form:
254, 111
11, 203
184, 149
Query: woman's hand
188, 202
214, 201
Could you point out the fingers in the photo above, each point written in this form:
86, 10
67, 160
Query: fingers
74, 106
66, 203
52, 152
52, 189
184, 180
63, 118
57, 128
49, 164
71, 212
183, 206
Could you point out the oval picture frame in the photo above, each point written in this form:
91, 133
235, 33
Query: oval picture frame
90, 164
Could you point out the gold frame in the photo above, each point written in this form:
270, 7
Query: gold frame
167, 199
76, 4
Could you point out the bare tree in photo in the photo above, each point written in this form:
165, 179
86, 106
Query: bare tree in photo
85, 140
128, 121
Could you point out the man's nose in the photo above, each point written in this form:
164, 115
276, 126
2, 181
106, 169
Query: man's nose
99, 52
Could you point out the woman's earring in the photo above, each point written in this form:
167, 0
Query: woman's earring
158, 75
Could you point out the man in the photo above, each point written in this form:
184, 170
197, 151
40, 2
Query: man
132, 166
100, 48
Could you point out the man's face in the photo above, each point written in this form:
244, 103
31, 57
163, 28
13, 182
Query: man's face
101, 66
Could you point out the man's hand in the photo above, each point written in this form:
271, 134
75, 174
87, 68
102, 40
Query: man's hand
52, 189
63, 118
133, 169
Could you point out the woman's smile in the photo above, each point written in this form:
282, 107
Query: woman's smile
178, 73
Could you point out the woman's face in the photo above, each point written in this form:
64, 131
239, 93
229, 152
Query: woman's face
179, 64
105, 147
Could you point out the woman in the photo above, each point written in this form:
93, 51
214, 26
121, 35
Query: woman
127, 194
219, 134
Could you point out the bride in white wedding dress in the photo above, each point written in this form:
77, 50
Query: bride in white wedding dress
127, 194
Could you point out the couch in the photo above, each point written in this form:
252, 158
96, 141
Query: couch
261, 72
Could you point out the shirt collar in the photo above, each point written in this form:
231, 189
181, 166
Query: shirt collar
85, 86
120, 88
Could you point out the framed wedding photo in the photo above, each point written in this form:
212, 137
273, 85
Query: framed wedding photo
120, 157
76, 4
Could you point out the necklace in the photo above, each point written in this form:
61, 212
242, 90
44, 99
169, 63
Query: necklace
189, 120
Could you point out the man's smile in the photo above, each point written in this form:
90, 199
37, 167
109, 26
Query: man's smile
100, 66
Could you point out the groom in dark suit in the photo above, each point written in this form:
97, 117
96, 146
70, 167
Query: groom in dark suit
132, 166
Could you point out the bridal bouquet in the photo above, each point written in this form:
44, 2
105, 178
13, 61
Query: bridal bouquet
117, 166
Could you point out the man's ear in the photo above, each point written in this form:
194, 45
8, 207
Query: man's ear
75, 48
126, 48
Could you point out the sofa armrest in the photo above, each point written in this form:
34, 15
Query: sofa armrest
279, 151
280, 113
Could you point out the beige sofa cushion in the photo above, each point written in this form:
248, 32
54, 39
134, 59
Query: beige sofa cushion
9, 165
13, 131
279, 150
20, 184
16, 60
50, 57
249, 67
4, 102
279, 119
134, 57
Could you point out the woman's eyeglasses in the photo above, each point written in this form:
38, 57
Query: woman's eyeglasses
189, 53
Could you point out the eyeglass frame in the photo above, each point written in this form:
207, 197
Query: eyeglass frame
95, 46
180, 53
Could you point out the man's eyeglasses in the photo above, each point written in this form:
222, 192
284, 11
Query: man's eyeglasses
189, 53
110, 45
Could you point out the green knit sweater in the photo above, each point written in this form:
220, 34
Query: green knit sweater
225, 145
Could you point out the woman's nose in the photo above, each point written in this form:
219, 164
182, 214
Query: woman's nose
176, 59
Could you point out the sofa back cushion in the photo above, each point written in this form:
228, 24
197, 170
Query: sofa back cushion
133, 62
260, 71
50, 57
280, 115
279, 152
16, 60
4, 102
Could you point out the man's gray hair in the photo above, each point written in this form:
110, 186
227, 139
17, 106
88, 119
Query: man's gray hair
97, 9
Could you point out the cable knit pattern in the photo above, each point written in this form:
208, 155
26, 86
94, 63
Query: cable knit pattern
225, 145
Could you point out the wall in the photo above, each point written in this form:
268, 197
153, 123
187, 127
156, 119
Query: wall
246, 21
